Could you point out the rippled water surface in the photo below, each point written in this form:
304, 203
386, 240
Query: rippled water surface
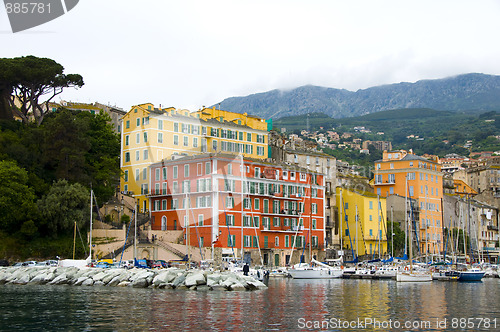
287, 305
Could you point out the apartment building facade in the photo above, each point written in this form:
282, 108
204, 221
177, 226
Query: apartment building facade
408, 175
363, 222
242, 205
150, 135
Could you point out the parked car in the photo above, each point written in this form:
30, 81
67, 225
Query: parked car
127, 264
103, 265
141, 263
49, 262
159, 264
29, 263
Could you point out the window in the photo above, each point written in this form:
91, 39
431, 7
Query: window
229, 202
207, 168
303, 176
186, 141
314, 224
144, 173
137, 138
229, 220
138, 122
256, 222
200, 220
186, 170
231, 240
127, 157
247, 241
257, 172
176, 127
157, 174
370, 205
276, 222
125, 176
287, 241
137, 155
137, 172
160, 137
145, 154
175, 172
391, 178
176, 139
145, 137
260, 150
276, 241
249, 137
314, 241
314, 208
256, 205
127, 124
378, 178
195, 142
247, 221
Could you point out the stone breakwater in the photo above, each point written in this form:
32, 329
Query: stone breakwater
139, 278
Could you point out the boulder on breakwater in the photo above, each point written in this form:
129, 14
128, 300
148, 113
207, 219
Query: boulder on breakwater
139, 278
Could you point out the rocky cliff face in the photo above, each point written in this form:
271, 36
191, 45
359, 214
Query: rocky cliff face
463, 92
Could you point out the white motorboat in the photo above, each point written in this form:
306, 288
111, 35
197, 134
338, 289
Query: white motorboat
316, 270
411, 275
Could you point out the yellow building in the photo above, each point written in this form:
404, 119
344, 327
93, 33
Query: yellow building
150, 135
408, 175
363, 225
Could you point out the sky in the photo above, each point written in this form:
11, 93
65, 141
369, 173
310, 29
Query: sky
189, 54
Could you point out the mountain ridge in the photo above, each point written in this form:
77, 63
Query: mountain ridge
472, 91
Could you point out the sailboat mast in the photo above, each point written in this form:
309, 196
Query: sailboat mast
241, 186
74, 240
406, 214
392, 233
91, 198
310, 216
135, 230
187, 224
356, 239
341, 230
378, 217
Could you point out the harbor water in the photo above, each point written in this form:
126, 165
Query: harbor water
287, 305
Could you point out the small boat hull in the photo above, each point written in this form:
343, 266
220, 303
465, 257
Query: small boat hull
471, 275
413, 277
315, 273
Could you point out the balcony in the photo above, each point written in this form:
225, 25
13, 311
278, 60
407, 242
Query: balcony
386, 183
492, 228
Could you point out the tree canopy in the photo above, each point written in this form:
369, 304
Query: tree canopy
28, 84
17, 199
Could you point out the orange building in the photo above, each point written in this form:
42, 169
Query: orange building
280, 210
406, 174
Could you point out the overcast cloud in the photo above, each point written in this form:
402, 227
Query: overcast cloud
192, 53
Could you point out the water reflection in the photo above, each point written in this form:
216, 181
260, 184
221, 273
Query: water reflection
280, 307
